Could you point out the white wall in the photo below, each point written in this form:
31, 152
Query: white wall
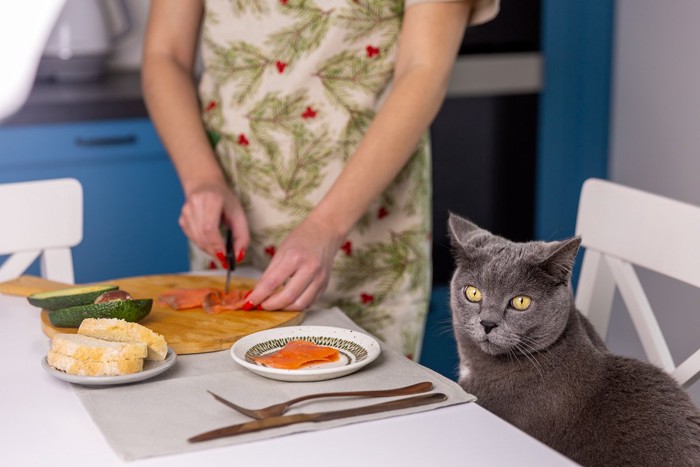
655, 143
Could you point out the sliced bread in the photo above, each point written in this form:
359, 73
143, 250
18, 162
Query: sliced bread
91, 349
78, 367
114, 329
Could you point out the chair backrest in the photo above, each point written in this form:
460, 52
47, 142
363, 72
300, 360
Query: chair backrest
41, 218
621, 227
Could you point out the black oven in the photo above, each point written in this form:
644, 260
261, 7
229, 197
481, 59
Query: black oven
484, 137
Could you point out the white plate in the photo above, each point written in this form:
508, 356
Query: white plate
151, 368
356, 351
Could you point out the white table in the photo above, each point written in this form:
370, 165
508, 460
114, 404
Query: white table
43, 423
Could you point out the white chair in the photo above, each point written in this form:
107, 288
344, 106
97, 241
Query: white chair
41, 218
621, 227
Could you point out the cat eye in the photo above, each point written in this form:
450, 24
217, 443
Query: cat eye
472, 293
521, 302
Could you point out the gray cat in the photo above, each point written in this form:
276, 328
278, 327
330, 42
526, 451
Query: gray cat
532, 359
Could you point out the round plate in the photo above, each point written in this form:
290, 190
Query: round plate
356, 351
151, 368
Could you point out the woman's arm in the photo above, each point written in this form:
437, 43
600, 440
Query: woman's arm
429, 41
168, 60
430, 38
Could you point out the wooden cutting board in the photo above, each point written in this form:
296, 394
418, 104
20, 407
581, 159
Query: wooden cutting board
188, 331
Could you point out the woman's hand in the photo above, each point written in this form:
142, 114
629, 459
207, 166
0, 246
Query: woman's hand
301, 266
206, 206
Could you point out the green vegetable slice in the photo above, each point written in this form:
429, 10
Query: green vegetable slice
69, 297
128, 310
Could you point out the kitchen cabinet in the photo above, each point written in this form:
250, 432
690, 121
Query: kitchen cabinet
132, 196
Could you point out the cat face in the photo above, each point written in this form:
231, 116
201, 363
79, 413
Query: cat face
508, 297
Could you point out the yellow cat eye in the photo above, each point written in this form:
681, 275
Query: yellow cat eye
521, 302
472, 293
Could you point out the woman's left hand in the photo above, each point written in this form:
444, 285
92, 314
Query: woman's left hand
299, 271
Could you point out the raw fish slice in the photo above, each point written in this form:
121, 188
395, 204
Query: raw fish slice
184, 299
216, 302
297, 354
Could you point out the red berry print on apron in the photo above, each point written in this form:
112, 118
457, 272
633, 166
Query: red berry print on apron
366, 298
382, 213
280, 66
211, 106
372, 51
270, 250
347, 247
242, 140
308, 113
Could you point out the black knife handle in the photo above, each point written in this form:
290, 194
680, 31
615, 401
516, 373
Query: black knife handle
230, 259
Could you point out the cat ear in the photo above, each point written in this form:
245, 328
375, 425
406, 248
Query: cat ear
560, 261
461, 230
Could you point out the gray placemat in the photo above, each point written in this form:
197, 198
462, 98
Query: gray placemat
157, 416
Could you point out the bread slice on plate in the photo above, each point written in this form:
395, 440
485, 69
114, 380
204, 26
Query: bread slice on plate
89, 348
78, 367
114, 329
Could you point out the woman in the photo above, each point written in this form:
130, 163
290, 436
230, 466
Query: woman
317, 114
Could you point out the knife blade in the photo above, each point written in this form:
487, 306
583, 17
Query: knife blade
230, 260
285, 420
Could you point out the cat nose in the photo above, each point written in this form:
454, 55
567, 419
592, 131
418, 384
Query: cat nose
488, 325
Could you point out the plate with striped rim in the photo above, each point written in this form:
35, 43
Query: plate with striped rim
356, 350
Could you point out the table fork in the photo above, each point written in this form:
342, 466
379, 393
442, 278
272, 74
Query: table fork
279, 409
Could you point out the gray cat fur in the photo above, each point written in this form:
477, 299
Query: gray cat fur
559, 383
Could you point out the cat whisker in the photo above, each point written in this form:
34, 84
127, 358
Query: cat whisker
525, 350
530, 358
510, 355
444, 327
513, 353
441, 244
535, 353
530, 344
516, 357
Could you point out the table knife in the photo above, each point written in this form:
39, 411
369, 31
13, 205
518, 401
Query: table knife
285, 420
230, 260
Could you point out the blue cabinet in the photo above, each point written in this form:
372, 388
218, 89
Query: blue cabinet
132, 196
439, 346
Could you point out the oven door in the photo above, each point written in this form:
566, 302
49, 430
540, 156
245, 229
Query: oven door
484, 137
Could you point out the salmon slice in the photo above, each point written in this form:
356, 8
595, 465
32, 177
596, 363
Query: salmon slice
298, 354
218, 302
184, 299
210, 299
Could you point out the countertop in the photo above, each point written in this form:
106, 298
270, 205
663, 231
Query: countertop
116, 96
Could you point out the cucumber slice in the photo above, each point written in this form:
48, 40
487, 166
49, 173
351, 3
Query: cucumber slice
128, 310
68, 297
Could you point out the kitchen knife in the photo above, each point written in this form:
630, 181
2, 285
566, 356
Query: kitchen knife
230, 260
285, 420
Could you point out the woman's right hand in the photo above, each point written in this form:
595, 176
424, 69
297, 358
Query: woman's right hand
206, 207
